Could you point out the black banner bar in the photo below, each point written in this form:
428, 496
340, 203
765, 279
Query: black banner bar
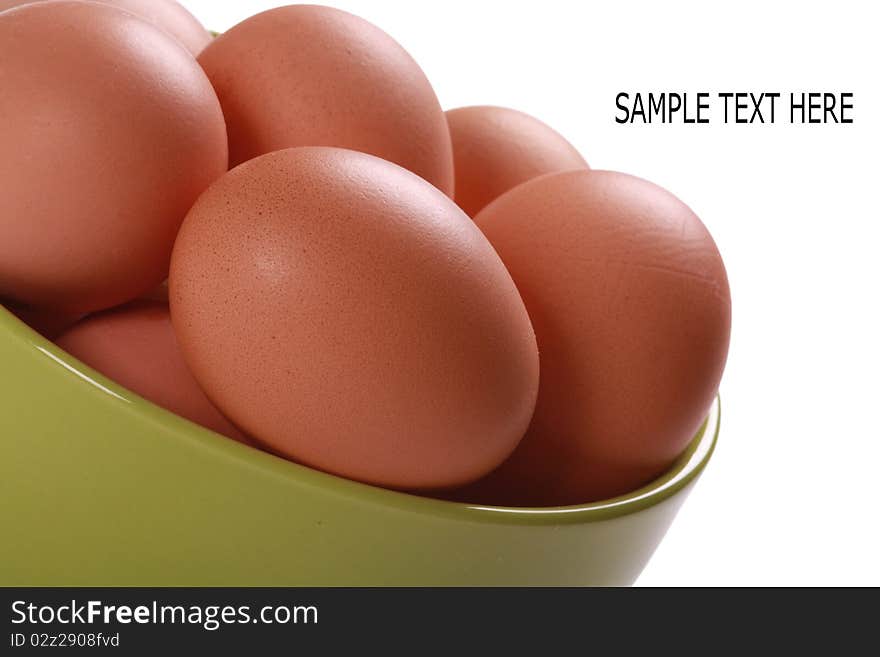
423, 621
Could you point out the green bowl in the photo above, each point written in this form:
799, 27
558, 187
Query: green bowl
102, 488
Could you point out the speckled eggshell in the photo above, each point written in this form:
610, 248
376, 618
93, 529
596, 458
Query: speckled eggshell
305, 75
135, 346
630, 303
109, 132
349, 316
496, 148
168, 15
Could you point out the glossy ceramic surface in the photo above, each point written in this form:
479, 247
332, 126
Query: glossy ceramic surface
99, 487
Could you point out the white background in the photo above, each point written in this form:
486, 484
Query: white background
791, 496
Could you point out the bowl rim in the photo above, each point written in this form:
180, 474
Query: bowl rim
682, 472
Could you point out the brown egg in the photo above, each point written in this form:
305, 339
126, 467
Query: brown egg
305, 75
135, 346
109, 132
167, 15
631, 307
495, 149
350, 316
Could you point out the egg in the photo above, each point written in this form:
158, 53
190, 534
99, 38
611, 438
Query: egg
167, 15
110, 132
630, 303
135, 346
306, 75
349, 316
496, 148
